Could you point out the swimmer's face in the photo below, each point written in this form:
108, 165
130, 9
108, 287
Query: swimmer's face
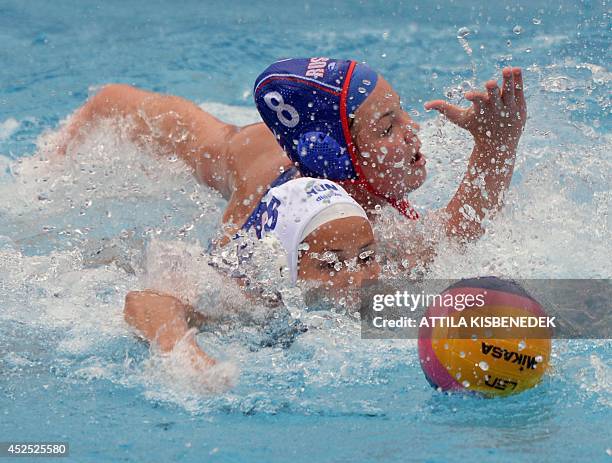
387, 143
341, 254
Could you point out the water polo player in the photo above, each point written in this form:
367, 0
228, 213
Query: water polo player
300, 210
335, 119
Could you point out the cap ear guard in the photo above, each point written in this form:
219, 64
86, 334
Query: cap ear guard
321, 155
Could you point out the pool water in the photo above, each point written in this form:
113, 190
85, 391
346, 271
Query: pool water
76, 234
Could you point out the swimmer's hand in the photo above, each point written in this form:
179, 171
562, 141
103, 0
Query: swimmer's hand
165, 321
496, 118
496, 121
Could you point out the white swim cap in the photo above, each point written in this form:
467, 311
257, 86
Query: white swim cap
296, 208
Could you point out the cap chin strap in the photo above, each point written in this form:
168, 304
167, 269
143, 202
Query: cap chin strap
401, 205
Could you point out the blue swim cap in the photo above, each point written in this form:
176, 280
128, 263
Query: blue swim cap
308, 104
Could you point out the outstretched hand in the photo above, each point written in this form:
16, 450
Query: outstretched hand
496, 118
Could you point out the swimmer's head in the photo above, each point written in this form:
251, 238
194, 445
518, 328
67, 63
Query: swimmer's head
340, 120
341, 254
326, 234
389, 135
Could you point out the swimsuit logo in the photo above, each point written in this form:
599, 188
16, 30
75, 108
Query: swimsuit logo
276, 103
316, 67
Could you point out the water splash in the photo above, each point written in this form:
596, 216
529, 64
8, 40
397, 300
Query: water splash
462, 34
59, 280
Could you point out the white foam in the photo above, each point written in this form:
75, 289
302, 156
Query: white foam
182, 270
176, 372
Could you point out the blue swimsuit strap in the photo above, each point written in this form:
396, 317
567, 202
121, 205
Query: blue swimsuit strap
255, 217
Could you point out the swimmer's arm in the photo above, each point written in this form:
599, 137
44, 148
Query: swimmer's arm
165, 321
496, 121
174, 124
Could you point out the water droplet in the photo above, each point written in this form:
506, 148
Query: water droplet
384, 55
462, 354
338, 266
488, 133
310, 104
539, 358
521, 345
365, 154
463, 32
509, 43
517, 30
303, 247
536, 21
484, 366
384, 150
465, 384
361, 89
458, 376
